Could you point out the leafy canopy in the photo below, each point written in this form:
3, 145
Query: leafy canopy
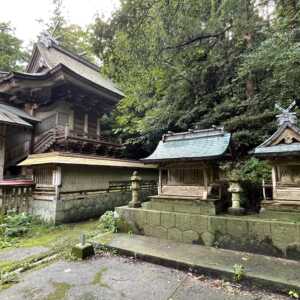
188, 62
11, 54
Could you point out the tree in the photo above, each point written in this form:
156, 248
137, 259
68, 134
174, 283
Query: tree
11, 54
70, 36
178, 63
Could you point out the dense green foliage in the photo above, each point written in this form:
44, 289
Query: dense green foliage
14, 225
190, 62
11, 54
109, 221
70, 36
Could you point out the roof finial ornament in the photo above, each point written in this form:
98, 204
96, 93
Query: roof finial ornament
47, 39
286, 116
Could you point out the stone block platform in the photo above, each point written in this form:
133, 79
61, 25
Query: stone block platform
274, 273
244, 233
184, 204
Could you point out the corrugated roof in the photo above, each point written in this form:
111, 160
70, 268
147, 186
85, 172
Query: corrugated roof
8, 117
199, 144
74, 159
55, 55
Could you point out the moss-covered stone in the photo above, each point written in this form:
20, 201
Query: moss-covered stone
283, 234
190, 236
218, 224
237, 228
153, 218
83, 251
167, 219
199, 223
183, 221
160, 232
175, 234
208, 238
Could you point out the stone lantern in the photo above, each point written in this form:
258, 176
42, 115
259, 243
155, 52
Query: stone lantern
236, 190
135, 189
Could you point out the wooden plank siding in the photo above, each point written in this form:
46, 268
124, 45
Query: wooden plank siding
43, 176
78, 122
92, 125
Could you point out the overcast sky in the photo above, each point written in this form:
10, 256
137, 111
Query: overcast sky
23, 13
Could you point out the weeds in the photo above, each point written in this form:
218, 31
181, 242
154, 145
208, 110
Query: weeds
109, 221
293, 294
239, 272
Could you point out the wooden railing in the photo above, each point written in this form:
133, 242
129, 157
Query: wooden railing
15, 195
62, 135
126, 185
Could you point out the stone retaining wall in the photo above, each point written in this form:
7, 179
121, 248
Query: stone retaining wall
72, 208
251, 234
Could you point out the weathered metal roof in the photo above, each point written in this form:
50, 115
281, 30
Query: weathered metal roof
19, 112
7, 117
76, 159
196, 144
267, 148
280, 150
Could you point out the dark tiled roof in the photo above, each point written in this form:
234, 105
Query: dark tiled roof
56, 55
197, 144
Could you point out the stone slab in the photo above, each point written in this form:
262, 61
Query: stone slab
276, 273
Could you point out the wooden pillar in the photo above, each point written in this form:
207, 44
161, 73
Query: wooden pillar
56, 181
86, 123
205, 177
160, 181
2, 149
99, 127
274, 181
71, 120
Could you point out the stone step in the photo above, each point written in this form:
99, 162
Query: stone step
270, 272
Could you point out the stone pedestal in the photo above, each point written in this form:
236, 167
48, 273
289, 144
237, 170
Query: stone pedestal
83, 251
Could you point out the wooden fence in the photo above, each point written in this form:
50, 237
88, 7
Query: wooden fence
15, 195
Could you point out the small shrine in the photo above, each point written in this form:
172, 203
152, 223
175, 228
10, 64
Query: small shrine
282, 150
189, 175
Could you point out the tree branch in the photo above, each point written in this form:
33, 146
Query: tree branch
198, 38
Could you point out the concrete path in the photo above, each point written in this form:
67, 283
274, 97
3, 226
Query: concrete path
17, 254
112, 277
280, 274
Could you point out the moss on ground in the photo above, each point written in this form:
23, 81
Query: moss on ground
98, 278
59, 239
60, 292
48, 235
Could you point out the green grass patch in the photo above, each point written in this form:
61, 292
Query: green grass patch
60, 292
98, 279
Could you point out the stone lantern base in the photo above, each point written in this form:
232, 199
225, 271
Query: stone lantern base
236, 211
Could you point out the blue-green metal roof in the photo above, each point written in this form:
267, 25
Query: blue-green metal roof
280, 149
198, 144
